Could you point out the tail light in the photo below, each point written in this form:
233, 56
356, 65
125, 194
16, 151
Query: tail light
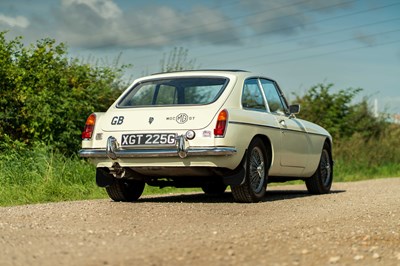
220, 128
89, 127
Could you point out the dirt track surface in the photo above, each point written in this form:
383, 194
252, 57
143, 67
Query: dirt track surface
357, 224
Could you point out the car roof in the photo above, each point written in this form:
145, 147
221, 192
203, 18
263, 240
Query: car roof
243, 74
229, 73
203, 70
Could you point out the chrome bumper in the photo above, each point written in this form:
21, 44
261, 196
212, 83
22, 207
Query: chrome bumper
142, 153
114, 152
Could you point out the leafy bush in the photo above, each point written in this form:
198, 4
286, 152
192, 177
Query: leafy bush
365, 146
338, 114
46, 97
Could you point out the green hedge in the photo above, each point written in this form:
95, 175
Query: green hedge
46, 97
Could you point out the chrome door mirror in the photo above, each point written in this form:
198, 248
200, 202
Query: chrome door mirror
294, 109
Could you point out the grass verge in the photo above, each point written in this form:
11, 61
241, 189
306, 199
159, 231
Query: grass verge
40, 175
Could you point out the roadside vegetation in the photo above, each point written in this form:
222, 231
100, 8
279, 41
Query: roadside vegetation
45, 98
365, 146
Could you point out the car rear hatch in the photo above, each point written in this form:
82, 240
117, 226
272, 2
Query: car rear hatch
168, 104
156, 119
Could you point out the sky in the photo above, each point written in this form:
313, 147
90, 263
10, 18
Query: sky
298, 43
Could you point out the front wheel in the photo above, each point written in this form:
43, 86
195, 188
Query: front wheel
256, 164
125, 190
321, 181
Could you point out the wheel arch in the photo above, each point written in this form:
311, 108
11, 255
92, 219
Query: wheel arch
329, 143
268, 147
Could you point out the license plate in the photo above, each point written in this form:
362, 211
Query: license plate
166, 139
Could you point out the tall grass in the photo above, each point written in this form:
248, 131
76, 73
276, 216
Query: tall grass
41, 175
357, 158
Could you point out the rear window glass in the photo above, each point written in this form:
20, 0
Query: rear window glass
177, 91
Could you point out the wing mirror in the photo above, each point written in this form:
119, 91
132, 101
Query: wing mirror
294, 109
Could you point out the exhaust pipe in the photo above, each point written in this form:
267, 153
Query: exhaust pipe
117, 171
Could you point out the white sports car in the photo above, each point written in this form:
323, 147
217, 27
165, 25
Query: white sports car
208, 129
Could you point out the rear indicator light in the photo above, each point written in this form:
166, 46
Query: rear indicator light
89, 127
220, 128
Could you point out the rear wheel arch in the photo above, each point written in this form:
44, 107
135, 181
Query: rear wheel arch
256, 164
268, 147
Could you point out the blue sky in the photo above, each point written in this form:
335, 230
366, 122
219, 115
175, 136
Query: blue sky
299, 43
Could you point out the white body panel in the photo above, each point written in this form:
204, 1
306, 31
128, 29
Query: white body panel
295, 144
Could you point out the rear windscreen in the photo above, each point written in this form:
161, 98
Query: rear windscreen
175, 91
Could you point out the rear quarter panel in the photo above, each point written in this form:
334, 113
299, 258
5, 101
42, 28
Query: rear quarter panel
318, 136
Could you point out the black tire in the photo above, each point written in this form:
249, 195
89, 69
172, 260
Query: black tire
214, 189
125, 190
321, 181
256, 164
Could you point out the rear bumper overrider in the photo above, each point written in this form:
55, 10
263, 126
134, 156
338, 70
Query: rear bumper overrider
181, 150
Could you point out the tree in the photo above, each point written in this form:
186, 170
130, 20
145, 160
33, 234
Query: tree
46, 97
177, 60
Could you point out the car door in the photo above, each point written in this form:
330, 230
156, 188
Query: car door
294, 138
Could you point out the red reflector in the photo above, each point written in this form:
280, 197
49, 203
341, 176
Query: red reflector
219, 130
89, 127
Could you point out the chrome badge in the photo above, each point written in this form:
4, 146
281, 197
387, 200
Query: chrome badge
182, 118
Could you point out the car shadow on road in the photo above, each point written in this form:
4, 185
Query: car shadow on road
272, 195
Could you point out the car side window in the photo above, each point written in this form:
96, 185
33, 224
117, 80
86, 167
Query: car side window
274, 100
252, 97
166, 95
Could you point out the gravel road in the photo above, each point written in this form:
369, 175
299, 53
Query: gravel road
357, 224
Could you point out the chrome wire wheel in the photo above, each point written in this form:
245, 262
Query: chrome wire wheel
255, 181
325, 168
257, 170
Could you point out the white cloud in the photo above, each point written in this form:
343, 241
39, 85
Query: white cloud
106, 9
85, 24
18, 21
288, 16
103, 23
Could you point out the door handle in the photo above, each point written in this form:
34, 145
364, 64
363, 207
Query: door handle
282, 122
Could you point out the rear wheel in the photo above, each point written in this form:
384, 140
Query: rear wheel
256, 164
125, 190
321, 181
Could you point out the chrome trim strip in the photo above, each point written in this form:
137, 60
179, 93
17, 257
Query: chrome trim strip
277, 128
148, 153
